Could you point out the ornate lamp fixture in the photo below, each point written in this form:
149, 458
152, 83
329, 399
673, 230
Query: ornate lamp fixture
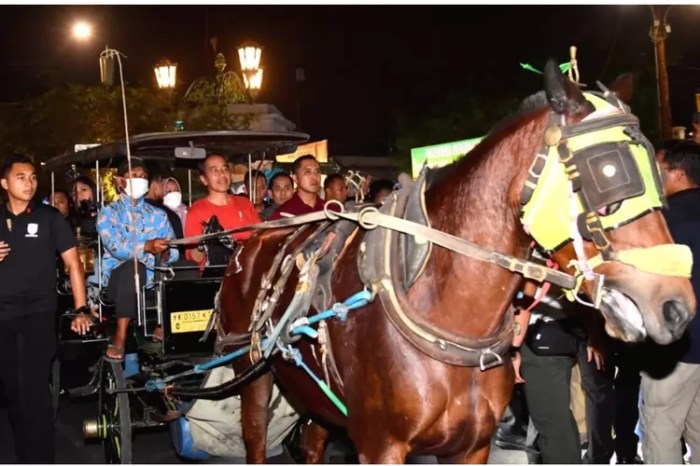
166, 74
249, 54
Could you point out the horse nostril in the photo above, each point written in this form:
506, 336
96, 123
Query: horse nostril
674, 312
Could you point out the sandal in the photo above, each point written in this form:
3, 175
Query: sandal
114, 353
157, 335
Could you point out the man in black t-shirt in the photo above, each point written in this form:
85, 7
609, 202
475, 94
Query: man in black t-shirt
670, 383
31, 234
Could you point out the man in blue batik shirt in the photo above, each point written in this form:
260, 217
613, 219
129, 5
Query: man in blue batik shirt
153, 235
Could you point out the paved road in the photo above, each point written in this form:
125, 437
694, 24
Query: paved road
155, 446
151, 446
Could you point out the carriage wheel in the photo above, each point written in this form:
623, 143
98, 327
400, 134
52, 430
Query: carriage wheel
114, 415
55, 386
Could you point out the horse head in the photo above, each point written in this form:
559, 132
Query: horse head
592, 199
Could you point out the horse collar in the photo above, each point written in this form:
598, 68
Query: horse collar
388, 261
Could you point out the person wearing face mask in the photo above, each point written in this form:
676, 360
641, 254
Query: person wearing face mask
155, 197
116, 229
172, 198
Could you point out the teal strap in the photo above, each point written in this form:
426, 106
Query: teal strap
296, 355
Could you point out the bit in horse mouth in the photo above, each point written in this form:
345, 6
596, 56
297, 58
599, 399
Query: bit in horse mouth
626, 310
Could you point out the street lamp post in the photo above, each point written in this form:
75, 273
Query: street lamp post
658, 33
83, 31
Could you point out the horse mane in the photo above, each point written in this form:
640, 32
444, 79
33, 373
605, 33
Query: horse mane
527, 106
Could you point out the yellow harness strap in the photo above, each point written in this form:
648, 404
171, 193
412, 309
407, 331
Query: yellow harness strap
674, 260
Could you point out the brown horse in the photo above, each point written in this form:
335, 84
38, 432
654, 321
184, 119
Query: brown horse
401, 401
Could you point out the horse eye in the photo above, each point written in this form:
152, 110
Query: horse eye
609, 209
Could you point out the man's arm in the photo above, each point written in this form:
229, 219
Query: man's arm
82, 320
522, 318
164, 230
595, 344
76, 275
66, 247
194, 227
521, 323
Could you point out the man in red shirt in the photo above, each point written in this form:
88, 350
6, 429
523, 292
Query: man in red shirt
307, 176
232, 211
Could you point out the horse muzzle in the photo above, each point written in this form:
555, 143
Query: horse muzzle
633, 312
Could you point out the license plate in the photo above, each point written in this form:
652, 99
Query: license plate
189, 321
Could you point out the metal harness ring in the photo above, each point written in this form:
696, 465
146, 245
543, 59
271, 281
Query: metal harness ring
332, 214
361, 218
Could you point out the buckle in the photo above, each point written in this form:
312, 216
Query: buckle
485, 366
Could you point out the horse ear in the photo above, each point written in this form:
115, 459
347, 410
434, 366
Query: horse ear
563, 96
623, 86
554, 86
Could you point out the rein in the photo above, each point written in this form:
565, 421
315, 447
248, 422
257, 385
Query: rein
369, 218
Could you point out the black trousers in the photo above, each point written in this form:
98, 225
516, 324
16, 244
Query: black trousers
121, 288
548, 394
27, 347
628, 360
599, 390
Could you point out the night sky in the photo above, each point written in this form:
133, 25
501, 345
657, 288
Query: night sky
363, 64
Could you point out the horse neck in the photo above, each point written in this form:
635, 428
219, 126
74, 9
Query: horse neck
479, 200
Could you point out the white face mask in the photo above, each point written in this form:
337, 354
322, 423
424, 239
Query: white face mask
136, 187
173, 200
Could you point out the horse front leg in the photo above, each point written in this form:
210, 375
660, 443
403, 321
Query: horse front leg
255, 401
312, 442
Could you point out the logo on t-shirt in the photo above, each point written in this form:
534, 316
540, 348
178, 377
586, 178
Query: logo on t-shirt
32, 229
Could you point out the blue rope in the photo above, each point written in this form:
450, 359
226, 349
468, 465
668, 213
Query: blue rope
159, 384
339, 310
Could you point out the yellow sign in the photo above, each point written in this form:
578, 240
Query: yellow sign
318, 149
190, 321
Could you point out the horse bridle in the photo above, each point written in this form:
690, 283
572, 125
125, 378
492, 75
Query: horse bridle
604, 171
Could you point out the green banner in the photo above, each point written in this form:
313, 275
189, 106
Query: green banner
440, 154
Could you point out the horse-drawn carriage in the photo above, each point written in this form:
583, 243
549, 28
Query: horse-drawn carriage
181, 301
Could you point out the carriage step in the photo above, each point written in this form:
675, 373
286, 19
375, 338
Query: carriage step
85, 390
88, 389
